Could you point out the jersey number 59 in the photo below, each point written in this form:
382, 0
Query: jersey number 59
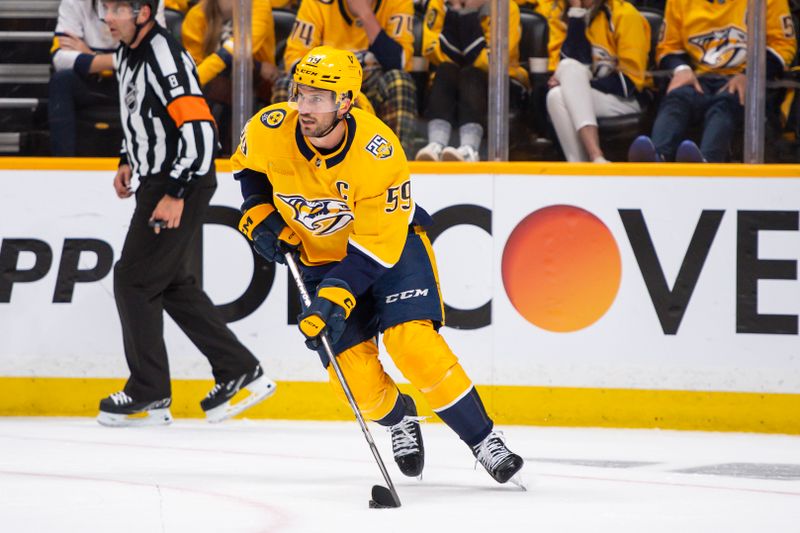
399, 196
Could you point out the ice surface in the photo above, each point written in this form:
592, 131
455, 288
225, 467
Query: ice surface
71, 475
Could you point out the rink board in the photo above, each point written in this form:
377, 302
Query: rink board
685, 279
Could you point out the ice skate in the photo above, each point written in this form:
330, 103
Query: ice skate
409, 452
119, 410
501, 463
251, 388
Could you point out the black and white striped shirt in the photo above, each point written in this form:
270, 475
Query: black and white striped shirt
167, 124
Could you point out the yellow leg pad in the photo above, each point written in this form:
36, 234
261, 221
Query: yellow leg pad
374, 391
425, 359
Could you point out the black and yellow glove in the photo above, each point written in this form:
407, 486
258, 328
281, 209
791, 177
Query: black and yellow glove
327, 313
263, 226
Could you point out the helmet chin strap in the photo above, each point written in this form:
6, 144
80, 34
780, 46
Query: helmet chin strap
139, 26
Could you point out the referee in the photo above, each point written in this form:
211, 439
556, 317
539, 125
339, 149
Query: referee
170, 142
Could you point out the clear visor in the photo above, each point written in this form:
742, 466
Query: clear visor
312, 100
115, 10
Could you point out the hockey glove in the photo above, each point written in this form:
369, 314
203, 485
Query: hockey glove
265, 228
327, 313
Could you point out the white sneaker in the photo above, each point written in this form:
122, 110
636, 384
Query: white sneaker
463, 153
430, 152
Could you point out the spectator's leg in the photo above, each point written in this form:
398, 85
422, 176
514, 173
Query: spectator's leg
473, 90
442, 101
721, 120
577, 122
674, 116
280, 91
611, 105
396, 103
67, 90
562, 122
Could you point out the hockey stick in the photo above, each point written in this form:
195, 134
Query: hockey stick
381, 496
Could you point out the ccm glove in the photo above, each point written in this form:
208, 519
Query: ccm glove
327, 313
263, 226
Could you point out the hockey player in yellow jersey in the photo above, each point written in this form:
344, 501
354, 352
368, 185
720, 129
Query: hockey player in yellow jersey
331, 183
704, 44
380, 34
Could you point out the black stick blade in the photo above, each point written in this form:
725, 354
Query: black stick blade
382, 498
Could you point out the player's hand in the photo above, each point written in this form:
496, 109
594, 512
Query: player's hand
263, 226
274, 247
73, 42
169, 211
684, 77
736, 85
122, 182
327, 313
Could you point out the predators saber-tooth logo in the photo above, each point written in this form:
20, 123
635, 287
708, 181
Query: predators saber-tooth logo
322, 216
724, 48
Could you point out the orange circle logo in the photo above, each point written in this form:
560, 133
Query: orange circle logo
561, 268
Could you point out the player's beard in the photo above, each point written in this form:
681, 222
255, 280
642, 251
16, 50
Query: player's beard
318, 128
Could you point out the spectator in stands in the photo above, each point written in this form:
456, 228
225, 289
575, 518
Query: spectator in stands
207, 35
601, 49
455, 39
380, 34
83, 61
181, 6
704, 45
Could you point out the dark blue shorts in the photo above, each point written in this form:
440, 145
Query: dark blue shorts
408, 291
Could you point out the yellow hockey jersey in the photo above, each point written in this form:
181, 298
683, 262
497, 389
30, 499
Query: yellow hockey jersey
431, 47
177, 5
620, 39
330, 22
208, 67
714, 34
358, 195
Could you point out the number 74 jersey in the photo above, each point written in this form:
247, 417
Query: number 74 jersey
359, 195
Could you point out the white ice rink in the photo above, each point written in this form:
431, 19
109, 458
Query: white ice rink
71, 475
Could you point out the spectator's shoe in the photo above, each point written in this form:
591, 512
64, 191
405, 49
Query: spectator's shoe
229, 398
120, 410
430, 152
466, 154
642, 150
688, 152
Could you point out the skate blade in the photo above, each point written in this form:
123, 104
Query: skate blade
154, 417
253, 393
519, 482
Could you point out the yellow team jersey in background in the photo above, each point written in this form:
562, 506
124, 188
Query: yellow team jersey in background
208, 67
431, 49
620, 39
358, 195
330, 22
714, 34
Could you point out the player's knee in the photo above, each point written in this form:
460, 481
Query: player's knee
373, 389
426, 360
416, 349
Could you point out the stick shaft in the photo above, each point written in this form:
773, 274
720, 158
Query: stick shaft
326, 343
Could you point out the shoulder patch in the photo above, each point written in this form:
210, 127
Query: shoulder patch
274, 118
379, 147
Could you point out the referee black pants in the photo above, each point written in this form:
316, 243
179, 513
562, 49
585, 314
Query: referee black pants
158, 273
